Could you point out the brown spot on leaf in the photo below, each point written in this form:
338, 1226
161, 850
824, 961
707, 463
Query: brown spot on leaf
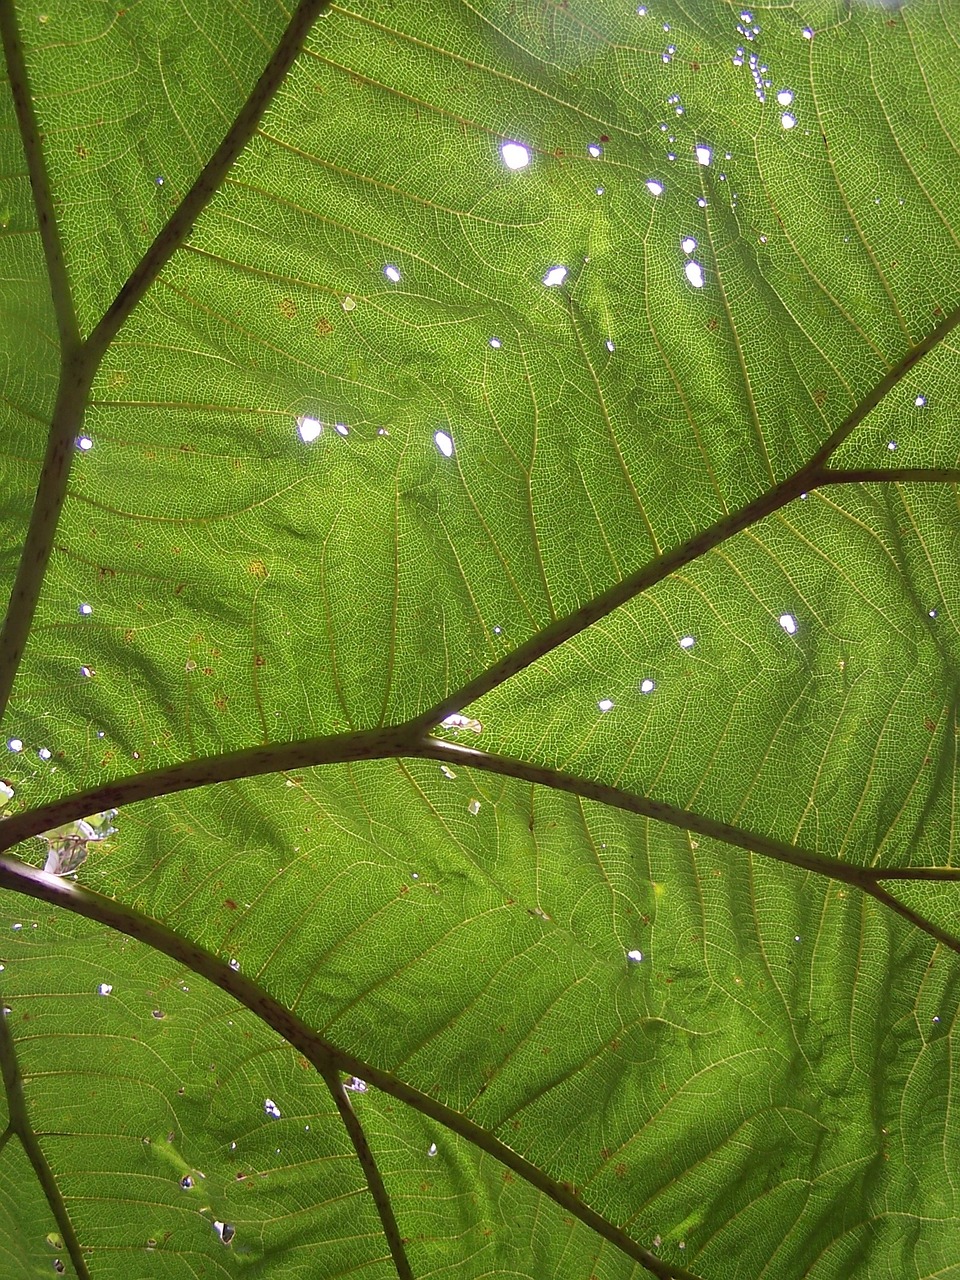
820, 397
257, 568
288, 308
712, 324
230, 904
259, 660
323, 327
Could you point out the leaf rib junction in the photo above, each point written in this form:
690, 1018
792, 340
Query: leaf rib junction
327, 1058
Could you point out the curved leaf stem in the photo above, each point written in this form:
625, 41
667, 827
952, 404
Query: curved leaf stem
75, 378
182, 220
21, 1126
368, 744
32, 141
890, 475
322, 1054
565, 628
885, 385
375, 1185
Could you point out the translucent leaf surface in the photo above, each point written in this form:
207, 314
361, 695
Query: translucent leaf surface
479, 518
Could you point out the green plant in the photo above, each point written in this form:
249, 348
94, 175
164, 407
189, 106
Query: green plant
480, 503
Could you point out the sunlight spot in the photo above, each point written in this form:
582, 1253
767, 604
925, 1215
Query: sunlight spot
807, 33
702, 202
497, 631
6, 791
16, 927
444, 443
457, 721
85, 610
932, 613
555, 276
309, 429
891, 445
600, 191
392, 273
473, 807
235, 965
44, 753
785, 97
605, 704
14, 744
610, 345
86, 672
225, 1230
84, 443
688, 245
936, 1018
654, 187
647, 686
355, 1085
496, 343
594, 149
104, 989
432, 1149
694, 273
920, 401
787, 120
704, 154
447, 773
796, 937
271, 1108
349, 304
788, 622
159, 180
515, 155
687, 642
341, 429
634, 956
186, 1182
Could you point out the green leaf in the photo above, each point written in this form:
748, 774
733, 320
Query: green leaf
480, 527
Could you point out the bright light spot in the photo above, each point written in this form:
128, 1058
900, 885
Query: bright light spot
392, 273
271, 1108
432, 1149
785, 97
235, 965
44, 753
891, 445
309, 429
609, 344
704, 155
605, 704
746, 17
444, 443
449, 775
341, 429
932, 613
807, 33
225, 1230
787, 120
84, 443
515, 155
634, 956
349, 304
555, 276
687, 642
788, 622
647, 686
104, 989
496, 343
920, 401
654, 187
702, 202
796, 937
688, 245
85, 610
355, 1085
14, 744
473, 807
594, 149
642, 11
694, 273
600, 191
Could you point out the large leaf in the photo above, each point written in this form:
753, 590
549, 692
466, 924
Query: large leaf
480, 504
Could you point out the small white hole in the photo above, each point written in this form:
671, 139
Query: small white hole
634, 956
85, 610
647, 686
788, 120
515, 155
444, 443
271, 1108
555, 276
704, 154
309, 429
785, 97
654, 187
687, 642
496, 343
605, 704
84, 443
694, 273
14, 744
392, 273
104, 989
688, 245
788, 622
594, 149
341, 429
